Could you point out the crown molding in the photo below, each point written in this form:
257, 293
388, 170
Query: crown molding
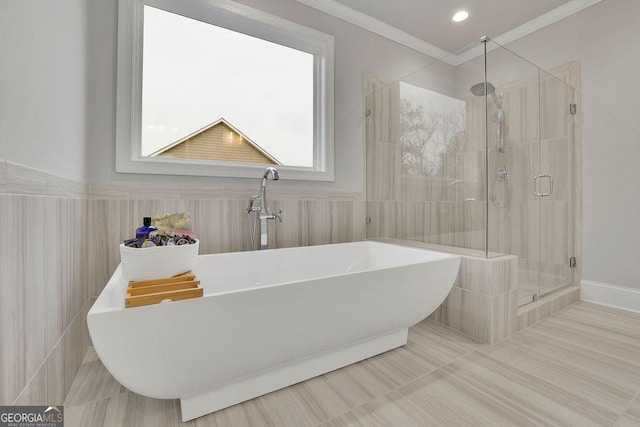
525, 29
369, 23
395, 34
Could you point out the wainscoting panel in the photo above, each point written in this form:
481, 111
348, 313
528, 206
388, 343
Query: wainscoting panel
43, 271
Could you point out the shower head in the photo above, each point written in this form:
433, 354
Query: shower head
478, 90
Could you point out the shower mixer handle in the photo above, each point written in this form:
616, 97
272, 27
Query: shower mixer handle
252, 204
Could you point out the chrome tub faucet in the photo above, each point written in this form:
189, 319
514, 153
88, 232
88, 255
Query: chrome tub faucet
259, 213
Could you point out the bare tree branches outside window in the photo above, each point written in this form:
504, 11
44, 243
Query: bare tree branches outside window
431, 132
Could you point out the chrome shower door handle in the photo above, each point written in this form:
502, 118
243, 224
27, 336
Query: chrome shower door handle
534, 185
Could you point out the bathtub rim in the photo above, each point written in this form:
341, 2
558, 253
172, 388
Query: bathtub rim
117, 281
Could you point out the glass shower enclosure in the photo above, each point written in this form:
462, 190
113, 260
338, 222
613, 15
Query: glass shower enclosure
481, 158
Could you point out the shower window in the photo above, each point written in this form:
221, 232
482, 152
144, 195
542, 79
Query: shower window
432, 129
210, 88
425, 174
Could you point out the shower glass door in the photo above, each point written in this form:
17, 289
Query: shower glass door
513, 152
532, 170
554, 185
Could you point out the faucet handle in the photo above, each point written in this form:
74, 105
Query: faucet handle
278, 215
252, 203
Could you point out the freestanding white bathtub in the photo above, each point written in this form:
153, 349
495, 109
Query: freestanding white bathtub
268, 319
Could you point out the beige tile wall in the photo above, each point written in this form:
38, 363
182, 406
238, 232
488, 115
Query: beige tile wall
43, 293
445, 210
218, 216
483, 301
3, 176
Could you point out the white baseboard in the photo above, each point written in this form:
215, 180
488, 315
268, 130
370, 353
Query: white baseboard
610, 295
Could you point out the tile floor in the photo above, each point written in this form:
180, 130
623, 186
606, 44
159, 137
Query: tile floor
580, 367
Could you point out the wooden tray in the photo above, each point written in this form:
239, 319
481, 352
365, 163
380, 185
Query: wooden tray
146, 292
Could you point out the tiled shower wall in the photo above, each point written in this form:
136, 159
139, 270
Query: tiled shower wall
482, 302
541, 136
60, 246
43, 294
449, 209
445, 209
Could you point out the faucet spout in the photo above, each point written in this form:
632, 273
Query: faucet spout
274, 175
271, 171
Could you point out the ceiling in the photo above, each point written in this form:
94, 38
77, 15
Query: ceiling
426, 25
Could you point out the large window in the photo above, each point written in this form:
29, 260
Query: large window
216, 88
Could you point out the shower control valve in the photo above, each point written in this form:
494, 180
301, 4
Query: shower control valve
504, 174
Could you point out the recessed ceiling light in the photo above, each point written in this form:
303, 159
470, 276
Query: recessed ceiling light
460, 16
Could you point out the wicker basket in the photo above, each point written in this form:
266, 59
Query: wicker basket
158, 261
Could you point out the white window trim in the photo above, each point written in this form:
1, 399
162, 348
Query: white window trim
236, 17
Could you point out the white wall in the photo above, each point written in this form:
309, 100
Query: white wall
356, 51
606, 38
43, 73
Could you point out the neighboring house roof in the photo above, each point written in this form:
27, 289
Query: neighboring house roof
211, 143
